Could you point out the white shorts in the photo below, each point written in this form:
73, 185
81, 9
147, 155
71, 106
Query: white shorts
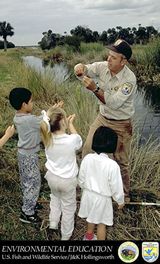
97, 209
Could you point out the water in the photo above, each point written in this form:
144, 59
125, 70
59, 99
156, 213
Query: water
59, 72
147, 104
147, 100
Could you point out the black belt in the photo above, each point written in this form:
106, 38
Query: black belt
116, 119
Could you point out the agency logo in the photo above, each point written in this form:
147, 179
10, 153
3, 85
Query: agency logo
128, 252
150, 251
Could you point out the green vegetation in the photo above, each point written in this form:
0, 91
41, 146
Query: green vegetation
135, 222
6, 30
80, 34
149, 54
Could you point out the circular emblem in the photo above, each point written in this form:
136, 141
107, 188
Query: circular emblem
126, 88
128, 252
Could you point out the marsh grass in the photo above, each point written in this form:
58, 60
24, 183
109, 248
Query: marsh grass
145, 165
134, 222
89, 52
150, 54
83, 104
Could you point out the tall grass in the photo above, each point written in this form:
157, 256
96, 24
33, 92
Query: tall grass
90, 47
89, 52
150, 54
145, 164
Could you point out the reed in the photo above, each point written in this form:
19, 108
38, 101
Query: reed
149, 55
145, 164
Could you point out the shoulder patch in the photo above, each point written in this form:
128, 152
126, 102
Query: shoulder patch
126, 88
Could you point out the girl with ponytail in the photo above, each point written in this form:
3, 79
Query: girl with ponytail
62, 168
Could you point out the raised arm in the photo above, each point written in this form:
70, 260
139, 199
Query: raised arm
70, 124
80, 71
8, 133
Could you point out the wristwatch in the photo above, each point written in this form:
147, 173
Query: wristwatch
96, 90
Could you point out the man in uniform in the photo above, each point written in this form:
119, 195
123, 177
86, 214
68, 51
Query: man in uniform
115, 90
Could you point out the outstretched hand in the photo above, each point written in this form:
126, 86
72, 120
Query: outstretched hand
59, 104
10, 131
70, 118
71, 127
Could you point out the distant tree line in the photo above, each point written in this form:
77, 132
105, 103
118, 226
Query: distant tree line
81, 33
140, 35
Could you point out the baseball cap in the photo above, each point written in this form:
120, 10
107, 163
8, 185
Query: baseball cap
121, 46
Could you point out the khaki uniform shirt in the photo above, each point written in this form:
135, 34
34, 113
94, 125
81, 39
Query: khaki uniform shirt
118, 90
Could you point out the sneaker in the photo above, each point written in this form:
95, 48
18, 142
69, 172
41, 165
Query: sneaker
94, 238
35, 219
38, 206
65, 238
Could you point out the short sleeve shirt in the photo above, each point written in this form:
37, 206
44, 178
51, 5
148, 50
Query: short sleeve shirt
118, 90
61, 155
28, 128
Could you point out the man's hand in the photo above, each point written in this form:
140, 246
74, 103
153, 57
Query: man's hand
89, 83
79, 70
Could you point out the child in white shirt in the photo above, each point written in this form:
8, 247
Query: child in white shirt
100, 180
60, 149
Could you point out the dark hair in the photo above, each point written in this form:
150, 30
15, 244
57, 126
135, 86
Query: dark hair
104, 140
18, 96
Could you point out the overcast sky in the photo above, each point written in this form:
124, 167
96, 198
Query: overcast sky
30, 18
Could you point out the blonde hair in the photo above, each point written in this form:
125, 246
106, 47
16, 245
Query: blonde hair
55, 114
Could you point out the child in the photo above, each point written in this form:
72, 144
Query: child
62, 168
8, 134
28, 128
100, 179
